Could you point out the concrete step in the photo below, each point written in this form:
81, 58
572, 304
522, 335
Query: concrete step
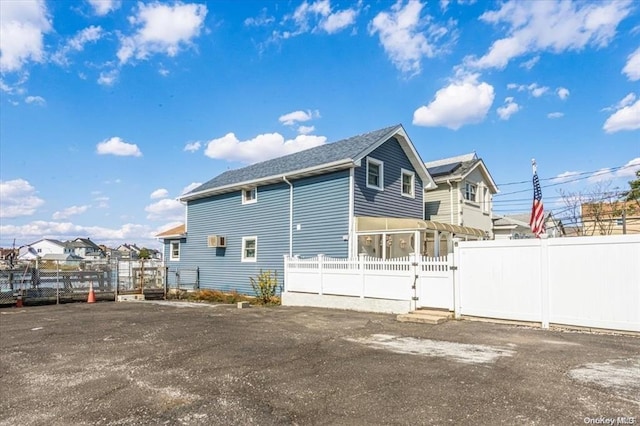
425, 316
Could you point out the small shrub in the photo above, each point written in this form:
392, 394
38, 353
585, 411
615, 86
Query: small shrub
265, 285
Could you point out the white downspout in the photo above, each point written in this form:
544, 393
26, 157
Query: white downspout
450, 201
284, 178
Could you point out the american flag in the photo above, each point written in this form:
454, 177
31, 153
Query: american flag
537, 211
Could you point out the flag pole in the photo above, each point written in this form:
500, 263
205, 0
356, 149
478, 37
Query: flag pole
534, 166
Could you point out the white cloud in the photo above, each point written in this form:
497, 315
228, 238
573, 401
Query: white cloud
192, 146
564, 177
625, 118
632, 67
626, 171
338, 21
103, 7
530, 63
294, 117
462, 102
36, 100
190, 187
68, 231
552, 25
563, 93
69, 211
159, 193
305, 130
162, 29
319, 16
165, 209
116, 146
108, 78
508, 109
22, 25
260, 148
18, 198
261, 20
553, 115
76, 43
406, 37
533, 89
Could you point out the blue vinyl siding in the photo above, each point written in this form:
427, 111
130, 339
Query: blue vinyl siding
321, 208
222, 269
389, 202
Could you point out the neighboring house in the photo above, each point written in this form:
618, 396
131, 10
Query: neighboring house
128, 251
43, 247
464, 194
615, 218
173, 238
516, 226
243, 221
86, 249
8, 257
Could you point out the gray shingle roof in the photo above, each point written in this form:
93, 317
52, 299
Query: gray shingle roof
345, 149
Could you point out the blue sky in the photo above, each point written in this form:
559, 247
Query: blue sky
110, 110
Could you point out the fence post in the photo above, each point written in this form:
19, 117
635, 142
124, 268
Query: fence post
454, 267
544, 281
320, 272
286, 272
362, 276
197, 277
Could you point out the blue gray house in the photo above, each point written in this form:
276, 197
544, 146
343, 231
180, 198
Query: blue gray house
244, 220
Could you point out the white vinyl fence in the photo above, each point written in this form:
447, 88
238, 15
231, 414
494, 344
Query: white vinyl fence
401, 279
582, 281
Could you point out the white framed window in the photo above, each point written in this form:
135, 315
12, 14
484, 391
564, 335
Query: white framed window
174, 250
249, 249
250, 196
470, 191
408, 181
375, 174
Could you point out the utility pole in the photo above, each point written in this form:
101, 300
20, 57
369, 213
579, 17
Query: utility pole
624, 218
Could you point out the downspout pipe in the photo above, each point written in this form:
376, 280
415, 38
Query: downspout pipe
284, 178
450, 201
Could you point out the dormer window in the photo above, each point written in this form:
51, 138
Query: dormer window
470, 191
249, 196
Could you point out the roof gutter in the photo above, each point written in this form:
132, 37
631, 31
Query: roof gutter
231, 187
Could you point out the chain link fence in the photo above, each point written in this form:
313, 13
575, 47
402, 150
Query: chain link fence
64, 281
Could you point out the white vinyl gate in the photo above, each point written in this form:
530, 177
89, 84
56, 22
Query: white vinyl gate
580, 281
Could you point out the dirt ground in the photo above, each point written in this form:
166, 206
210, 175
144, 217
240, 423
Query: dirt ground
174, 363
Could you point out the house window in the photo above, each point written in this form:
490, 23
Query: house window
249, 196
375, 174
470, 191
408, 183
174, 253
249, 249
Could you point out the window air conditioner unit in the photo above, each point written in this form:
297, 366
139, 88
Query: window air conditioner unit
216, 241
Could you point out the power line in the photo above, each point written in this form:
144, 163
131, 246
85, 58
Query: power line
594, 172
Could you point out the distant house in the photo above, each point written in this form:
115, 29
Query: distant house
463, 197
43, 247
318, 201
516, 226
610, 218
86, 249
128, 251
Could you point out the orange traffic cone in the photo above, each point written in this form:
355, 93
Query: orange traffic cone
92, 295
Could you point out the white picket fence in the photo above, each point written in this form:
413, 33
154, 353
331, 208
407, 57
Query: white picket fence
368, 277
583, 281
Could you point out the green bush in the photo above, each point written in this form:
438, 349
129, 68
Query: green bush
265, 285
